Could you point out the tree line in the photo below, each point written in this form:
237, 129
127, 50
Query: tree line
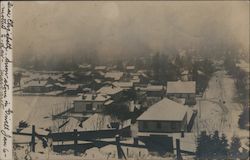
216, 147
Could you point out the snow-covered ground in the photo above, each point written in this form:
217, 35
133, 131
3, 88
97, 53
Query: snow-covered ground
37, 110
218, 110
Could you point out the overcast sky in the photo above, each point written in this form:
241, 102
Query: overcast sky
110, 28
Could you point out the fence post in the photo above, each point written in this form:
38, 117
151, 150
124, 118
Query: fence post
178, 149
75, 142
33, 142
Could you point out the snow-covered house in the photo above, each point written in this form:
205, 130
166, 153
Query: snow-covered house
130, 68
72, 89
165, 116
91, 103
114, 75
84, 67
154, 90
36, 87
101, 68
123, 85
114, 92
182, 89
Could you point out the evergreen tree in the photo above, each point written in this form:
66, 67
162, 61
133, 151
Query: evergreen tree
244, 118
212, 146
202, 150
234, 147
215, 145
224, 146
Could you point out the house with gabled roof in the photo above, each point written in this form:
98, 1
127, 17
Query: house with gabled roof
165, 116
182, 89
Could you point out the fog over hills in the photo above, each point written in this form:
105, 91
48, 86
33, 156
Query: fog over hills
112, 29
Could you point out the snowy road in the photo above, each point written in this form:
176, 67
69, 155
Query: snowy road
217, 108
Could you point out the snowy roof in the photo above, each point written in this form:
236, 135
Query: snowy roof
114, 75
135, 80
200, 72
84, 66
71, 86
49, 85
109, 90
184, 72
88, 73
93, 97
130, 67
59, 84
153, 88
164, 110
37, 83
181, 87
108, 102
97, 80
100, 67
243, 65
123, 84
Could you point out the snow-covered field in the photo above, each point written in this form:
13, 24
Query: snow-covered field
218, 110
37, 109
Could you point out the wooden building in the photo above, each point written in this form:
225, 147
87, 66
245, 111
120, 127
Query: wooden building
165, 116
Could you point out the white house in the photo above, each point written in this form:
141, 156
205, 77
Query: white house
165, 116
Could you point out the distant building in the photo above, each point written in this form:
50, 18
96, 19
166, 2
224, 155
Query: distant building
123, 85
100, 68
84, 67
72, 89
91, 103
36, 87
130, 68
165, 116
181, 89
154, 90
114, 92
186, 76
114, 75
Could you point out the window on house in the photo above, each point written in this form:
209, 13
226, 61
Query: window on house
88, 107
158, 125
173, 125
99, 106
145, 125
